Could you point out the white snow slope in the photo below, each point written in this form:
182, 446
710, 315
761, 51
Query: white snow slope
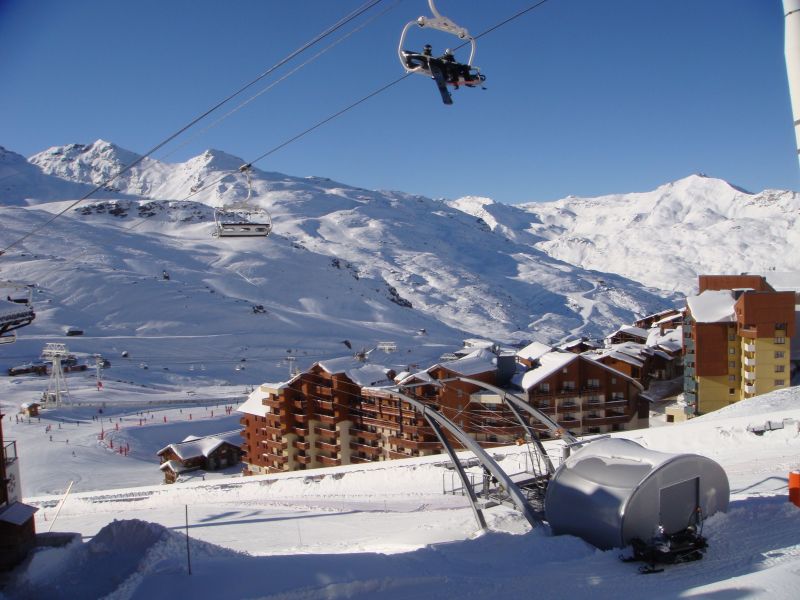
343, 263
387, 529
664, 238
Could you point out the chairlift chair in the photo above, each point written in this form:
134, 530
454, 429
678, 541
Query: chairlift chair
242, 219
444, 70
16, 309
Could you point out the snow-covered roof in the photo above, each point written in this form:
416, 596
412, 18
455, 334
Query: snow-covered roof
173, 465
17, 513
673, 317
368, 375
204, 446
617, 355
712, 306
254, 405
474, 363
631, 330
534, 350
548, 364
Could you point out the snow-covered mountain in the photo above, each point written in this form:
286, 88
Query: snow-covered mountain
343, 263
663, 238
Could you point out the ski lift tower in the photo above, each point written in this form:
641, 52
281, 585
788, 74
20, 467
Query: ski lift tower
57, 390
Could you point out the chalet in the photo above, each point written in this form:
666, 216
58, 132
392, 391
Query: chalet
627, 333
580, 345
584, 395
664, 320
17, 527
530, 354
30, 409
210, 453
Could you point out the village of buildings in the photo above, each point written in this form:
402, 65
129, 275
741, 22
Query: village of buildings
734, 340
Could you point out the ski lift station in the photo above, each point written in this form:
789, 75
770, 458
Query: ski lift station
613, 491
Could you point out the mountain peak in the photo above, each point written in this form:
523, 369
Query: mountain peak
216, 160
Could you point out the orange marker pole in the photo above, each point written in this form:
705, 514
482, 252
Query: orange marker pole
794, 488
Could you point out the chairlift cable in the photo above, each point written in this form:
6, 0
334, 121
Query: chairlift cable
319, 37
282, 78
363, 99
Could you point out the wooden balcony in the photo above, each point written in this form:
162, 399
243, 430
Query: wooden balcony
328, 461
279, 458
327, 446
325, 404
303, 459
300, 417
366, 449
356, 459
367, 435
569, 407
275, 444
414, 444
273, 403
302, 431
380, 423
328, 432
302, 445
393, 454
328, 419
270, 430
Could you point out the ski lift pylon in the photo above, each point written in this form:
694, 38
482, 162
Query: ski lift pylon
242, 219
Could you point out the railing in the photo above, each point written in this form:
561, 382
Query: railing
749, 347
325, 431
750, 362
366, 448
329, 419
750, 375
327, 446
303, 459
9, 452
302, 431
367, 435
328, 461
300, 417
414, 444
302, 445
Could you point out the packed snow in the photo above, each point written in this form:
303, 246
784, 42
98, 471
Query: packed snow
387, 528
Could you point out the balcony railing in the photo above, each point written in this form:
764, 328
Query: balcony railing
9, 452
325, 431
749, 347
366, 449
750, 375
328, 461
750, 362
303, 459
327, 447
367, 435
414, 444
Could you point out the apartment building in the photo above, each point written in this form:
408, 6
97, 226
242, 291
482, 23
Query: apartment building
343, 412
737, 334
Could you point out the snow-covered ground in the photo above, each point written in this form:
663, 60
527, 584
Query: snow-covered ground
384, 529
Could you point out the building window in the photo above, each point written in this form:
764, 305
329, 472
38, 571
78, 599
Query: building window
731, 377
731, 391
780, 382
569, 385
780, 326
731, 350
732, 337
780, 368
544, 387
593, 383
732, 364
780, 340
779, 354
617, 396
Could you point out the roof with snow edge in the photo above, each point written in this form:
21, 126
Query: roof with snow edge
474, 363
712, 306
631, 330
17, 513
254, 404
552, 362
203, 446
534, 350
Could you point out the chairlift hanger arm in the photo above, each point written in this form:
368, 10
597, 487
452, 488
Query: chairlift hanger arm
440, 23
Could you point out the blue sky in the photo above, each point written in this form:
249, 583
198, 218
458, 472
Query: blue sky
585, 97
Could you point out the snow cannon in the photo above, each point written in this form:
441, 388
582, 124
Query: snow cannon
614, 493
